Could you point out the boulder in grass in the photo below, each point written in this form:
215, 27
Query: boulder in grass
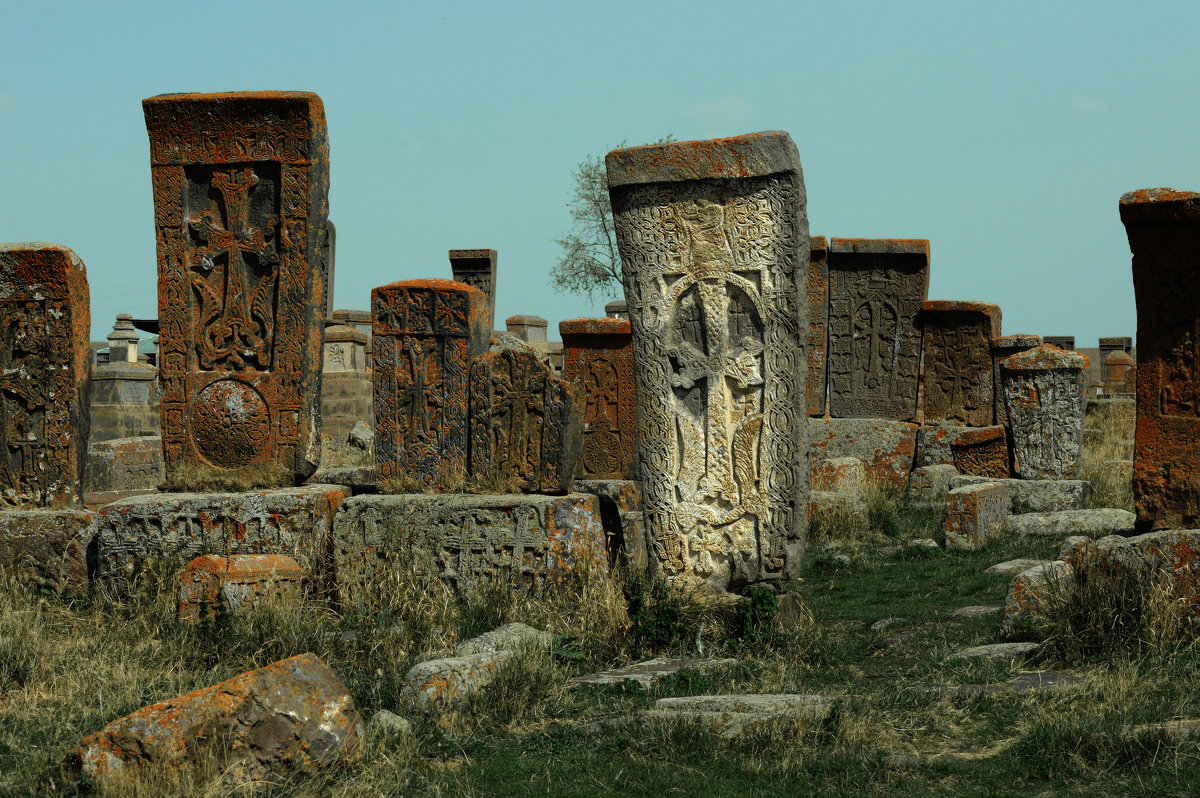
294, 716
1035, 592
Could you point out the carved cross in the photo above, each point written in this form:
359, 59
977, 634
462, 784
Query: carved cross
421, 396
878, 336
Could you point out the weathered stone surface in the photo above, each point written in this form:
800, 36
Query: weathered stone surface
1036, 495
387, 722
241, 187
732, 715
292, 717
1014, 567
887, 447
442, 683
44, 362
346, 385
1013, 652
530, 329
958, 374
526, 424
1002, 347
1043, 390
652, 670
1163, 227
1092, 523
825, 501
467, 540
361, 321
509, 637
840, 475
183, 526
1037, 591
713, 238
345, 349
624, 524
124, 401
212, 585
1063, 342
46, 548
477, 268
974, 513
876, 287
976, 611
1116, 366
930, 484
979, 451
426, 333
1075, 549
818, 323
599, 359
124, 464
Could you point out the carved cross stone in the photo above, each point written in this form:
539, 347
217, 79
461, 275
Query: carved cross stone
599, 356
959, 385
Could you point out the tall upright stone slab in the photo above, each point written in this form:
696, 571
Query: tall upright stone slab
876, 287
45, 322
599, 359
1044, 391
1002, 347
477, 268
241, 186
714, 243
957, 344
526, 424
818, 322
426, 333
1163, 226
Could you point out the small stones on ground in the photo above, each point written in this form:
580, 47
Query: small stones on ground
923, 543
1014, 567
976, 611
887, 551
389, 723
885, 623
1013, 652
1022, 683
652, 670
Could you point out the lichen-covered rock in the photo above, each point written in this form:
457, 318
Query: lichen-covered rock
292, 717
957, 344
124, 464
1035, 592
1014, 567
1036, 495
441, 683
1075, 549
509, 637
46, 548
973, 514
732, 715
840, 475
1011, 652
886, 447
652, 670
981, 451
212, 585
1092, 523
1043, 391
930, 484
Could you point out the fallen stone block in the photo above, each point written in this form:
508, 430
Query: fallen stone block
183, 526
124, 464
1092, 523
466, 541
441, 683
1038, 591
973, 514
1014, 567
1036, 495
731, 715
976, 611
620, 513
509, 637
212, 585
652, 670
1012, 652
930, 484
46, 548
1075, 549
980, 451
1170, 551
293, 716
887, 448
844, 475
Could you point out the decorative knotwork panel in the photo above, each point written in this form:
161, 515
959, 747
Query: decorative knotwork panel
713, 272
477, 268
425, 333
44, 362
1044, 393
241, 183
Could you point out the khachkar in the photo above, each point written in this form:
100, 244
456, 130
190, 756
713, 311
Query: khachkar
1163, 226
426, 333
526, 424
714, 244
599, 359
1043, 391
957, 342
876, 287
477, 268
818, 322
241, 184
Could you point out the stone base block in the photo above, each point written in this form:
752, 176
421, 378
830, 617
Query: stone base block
981, 451
1090, 523
124, 464
1036, 495
46, 548
930, 484
211, 585
467, 540
182, 526
973, 514
827, 502
886, 447
620, 512
840, 475
359, 479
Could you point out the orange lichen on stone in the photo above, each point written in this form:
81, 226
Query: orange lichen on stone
212, 584
974, 513
598, 358
750, 155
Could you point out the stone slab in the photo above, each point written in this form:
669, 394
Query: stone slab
212, 585
1044, 395
818, 323
468, 540
46, 548
1036, 591
652, 670
443, 683
1014, 567
121, 464
974, 513
978, 451
1013, 652
477, 268
930, 484
599, 358
956, 342
886, 447
621, 514
1092, 523
1036, 495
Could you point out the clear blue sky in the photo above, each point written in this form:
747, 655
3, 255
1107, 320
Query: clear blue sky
1003, 132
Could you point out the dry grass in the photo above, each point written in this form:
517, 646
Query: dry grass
194, 478
1110, 486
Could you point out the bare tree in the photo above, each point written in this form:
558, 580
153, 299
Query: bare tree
590, 261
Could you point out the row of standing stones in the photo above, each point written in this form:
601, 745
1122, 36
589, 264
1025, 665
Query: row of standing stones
741, 327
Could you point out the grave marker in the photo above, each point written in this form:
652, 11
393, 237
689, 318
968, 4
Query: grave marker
477, 268
599, 358
957, 342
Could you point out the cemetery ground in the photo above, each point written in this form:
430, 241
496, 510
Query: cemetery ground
875, 630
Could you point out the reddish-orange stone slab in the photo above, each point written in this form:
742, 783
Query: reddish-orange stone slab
599, 358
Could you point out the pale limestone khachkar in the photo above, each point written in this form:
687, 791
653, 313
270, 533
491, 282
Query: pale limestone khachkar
1043, 392
714, 243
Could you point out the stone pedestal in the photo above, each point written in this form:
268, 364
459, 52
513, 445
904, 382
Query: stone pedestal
467, 541
122, 464
345, 385
980, 451
125, 401
359, 320
530, 329
621, 515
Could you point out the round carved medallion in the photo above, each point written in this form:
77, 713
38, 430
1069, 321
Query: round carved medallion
230, 423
